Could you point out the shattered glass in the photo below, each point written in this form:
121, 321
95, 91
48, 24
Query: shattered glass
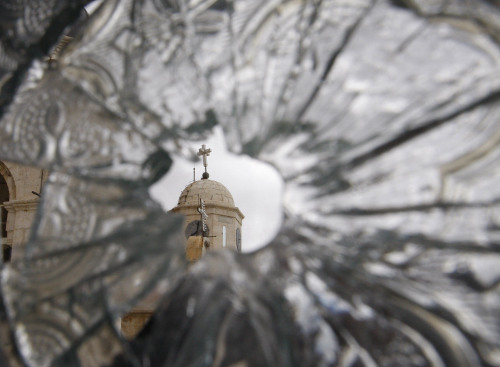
382, 118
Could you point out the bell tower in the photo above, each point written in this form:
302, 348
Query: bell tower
213, 222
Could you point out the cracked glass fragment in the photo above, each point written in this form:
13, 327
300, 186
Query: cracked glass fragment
382, 119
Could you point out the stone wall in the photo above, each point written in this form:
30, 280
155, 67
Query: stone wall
219, 216
22, 184
133, 322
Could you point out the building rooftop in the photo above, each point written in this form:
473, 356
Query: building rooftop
209, 190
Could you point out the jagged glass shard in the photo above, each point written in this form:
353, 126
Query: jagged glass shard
29, 29
84, 266
99, 143
382, 118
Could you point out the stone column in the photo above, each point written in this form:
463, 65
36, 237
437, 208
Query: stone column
21, 216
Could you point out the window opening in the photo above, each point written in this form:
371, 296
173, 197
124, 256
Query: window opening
223, 236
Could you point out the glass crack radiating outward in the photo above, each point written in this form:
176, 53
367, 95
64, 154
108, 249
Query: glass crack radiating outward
382, 118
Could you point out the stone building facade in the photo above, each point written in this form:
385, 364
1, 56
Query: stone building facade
20, 187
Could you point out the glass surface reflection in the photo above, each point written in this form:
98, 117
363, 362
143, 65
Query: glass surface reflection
381, 117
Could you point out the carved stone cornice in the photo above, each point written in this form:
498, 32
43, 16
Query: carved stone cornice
208, 205
21, 205
6, 241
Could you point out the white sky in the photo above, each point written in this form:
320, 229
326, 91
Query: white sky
257, 188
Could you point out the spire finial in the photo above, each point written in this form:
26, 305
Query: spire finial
204, 151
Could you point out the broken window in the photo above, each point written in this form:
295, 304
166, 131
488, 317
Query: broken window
382, 119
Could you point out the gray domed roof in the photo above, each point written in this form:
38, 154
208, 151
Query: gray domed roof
209, 190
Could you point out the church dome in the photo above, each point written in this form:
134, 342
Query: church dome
209, 190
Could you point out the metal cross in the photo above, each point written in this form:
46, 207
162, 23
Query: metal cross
204, 151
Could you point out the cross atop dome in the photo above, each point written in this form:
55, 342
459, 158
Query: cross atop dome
204, 151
